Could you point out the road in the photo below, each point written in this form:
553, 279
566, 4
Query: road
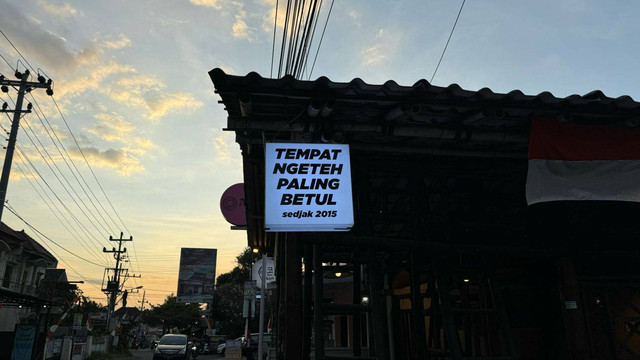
146, 354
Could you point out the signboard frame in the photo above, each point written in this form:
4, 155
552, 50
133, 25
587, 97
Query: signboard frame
308, 187
196, 278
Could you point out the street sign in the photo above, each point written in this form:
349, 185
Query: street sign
250, 290
256, 273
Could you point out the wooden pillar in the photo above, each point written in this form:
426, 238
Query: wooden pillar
417, 310
318, 317
357, 298
307, 302
378, 313
572, 312
281, 284
293, 300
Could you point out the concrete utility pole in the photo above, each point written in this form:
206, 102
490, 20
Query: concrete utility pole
114, 287
143, 301
23, 87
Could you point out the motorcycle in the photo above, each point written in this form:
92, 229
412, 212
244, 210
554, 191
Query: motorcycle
194, 351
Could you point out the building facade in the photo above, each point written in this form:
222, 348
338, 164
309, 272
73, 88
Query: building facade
23, 264
451, 248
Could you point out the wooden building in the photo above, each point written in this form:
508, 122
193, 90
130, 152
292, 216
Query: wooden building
453, 262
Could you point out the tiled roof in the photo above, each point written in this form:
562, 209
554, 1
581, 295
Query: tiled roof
18, 237
403, 119
595, 102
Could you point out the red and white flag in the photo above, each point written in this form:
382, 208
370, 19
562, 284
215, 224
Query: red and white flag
89, 324
582, 162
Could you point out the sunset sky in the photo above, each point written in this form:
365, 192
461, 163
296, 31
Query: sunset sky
131, 79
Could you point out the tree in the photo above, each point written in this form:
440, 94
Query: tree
172, 314
228, 299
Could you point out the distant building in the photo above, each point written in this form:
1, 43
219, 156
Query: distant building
23, 264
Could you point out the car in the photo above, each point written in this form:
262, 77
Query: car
222, 347
250, 348
172, 347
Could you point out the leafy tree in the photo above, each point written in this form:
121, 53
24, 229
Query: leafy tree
228, 299
88, 306
172, 314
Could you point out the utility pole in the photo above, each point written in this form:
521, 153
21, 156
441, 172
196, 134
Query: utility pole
23, 86
114, 287
143, 301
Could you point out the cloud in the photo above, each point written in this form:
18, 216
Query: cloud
111, 127
122, 41
18, 175
240, 29
222, 150
92, 79
59, 11
122, 160
147, 92
208, 3
384, 46
269, 17
159, 107
44, 47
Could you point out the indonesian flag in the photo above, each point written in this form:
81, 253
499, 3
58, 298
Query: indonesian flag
116, 330
582, 162
89, 324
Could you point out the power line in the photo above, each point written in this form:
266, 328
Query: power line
69, 167
23, 160
61, 202
88, 165
58, 178
321, 38
449, 39
273, 44
313, 33
54, 212
14, 212
8, 63
55, 164
76, 142
18, 51
52, 191
96, 178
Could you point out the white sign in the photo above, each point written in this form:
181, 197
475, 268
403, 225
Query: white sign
308, 187
256, 272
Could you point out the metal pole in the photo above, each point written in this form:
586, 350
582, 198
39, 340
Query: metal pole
263, 288
11, 145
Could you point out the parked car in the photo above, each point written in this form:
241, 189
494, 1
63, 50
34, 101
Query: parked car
172, 347
250, 348
222, 347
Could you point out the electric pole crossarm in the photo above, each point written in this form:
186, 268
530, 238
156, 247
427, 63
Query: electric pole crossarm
16, 111
29, 84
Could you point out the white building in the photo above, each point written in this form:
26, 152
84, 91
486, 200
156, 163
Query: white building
23, 263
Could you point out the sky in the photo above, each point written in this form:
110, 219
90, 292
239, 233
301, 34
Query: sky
131, 80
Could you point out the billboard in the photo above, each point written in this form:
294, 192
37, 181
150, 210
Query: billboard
197, 275
308, 187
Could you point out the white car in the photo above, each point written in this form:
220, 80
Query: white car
221, 348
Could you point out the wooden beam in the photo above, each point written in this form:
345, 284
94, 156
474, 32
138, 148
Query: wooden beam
318, 316
379, 315
293, 278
